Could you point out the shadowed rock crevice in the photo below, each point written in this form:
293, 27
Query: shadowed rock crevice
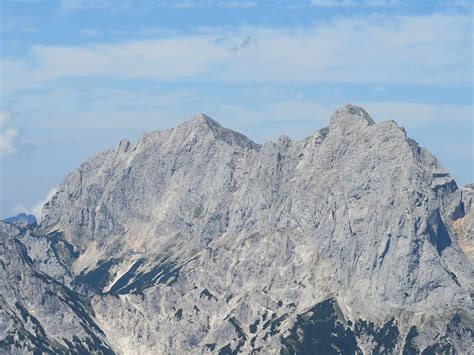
438, 233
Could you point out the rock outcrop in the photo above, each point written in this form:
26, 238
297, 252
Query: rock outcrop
464, 226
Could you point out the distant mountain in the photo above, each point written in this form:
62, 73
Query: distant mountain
22, 218
198, 240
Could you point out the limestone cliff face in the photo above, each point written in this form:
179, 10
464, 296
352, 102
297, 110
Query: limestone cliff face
37, 313
197, 239
464, 226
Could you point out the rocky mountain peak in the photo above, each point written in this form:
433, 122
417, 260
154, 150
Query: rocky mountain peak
203, 127
226, 246
350, 117
202, 118
201, 122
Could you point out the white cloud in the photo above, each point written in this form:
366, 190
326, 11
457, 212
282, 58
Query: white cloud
37, 207
87, 5
431, 49
121, 5
7, 141
239, 4
5, 118
164, 59
8, 134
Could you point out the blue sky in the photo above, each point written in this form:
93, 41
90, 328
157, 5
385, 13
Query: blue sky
77, 76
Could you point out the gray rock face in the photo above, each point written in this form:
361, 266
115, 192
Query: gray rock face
197, 239
38, 314
464, 227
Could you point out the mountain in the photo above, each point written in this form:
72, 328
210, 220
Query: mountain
22, 219
196, 239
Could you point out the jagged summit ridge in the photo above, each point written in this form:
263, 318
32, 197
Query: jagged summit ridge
226, 236
346, 117
199, 129
203, 127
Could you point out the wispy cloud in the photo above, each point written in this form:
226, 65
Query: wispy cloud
5, 118
87, 5
30, 29
407, 49
158, 32
8, 134
36, 208
121, 5
354, 3
239, 4
375, 51
7, 141
91, 32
